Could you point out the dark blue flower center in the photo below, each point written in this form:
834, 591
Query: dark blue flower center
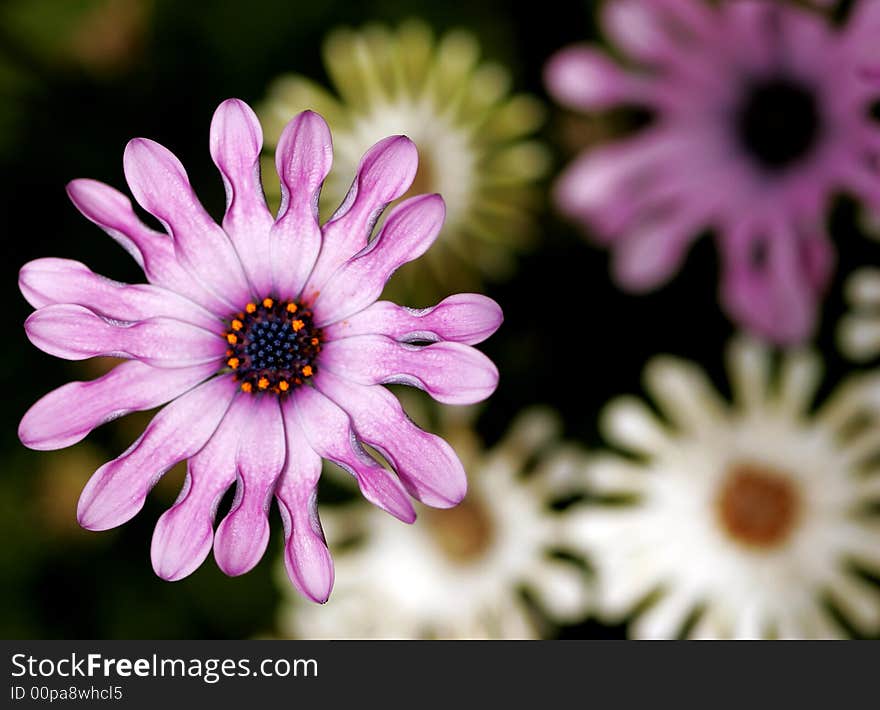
273, 346
778, 122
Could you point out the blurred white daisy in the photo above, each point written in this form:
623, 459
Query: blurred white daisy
859, 331
475, 139
742, 520
461, 573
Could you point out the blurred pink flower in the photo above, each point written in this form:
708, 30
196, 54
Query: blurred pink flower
268, 341
760, 114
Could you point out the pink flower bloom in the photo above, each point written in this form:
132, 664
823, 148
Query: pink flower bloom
266, 339
760, 114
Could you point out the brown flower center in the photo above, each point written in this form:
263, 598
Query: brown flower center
758, 506
464, 532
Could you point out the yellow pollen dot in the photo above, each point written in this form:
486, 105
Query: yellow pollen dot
307, 371
292, 308
232, 362
246, 387
237, 325
250, 307
283, 386
298, 325
314, 341
262, 383
268, 302
231, 338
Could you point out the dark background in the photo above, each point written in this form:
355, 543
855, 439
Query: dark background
570, 340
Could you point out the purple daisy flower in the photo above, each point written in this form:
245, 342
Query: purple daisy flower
266, 339
760, 113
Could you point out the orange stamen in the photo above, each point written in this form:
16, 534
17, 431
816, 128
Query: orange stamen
231, 338
237, 325
298, 325
250, 307
292, 308
232, 362
246, 387
307, 371
262, 383
283, 386
268, 303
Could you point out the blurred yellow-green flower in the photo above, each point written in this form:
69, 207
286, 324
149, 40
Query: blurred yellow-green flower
475, 139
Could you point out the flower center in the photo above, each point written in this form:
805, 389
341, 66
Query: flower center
758, 506
273, 346
464, 532
779, 122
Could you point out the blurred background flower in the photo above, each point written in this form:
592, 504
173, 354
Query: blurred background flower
745, 521
758, 116
492, 567
475, 140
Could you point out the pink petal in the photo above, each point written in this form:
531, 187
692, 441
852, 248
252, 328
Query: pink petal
863, 25
329, 433
236, 142
112, 211
598, 188
243, 534
303, 159
659, 30
384, 174
819, 260
861, 30
425, 463
160, 184
184, 533
408, 232
757, 29
583, 77
652, 253
451, 373
66, 415
775, 299
306, 557
76, 333
154, 252
51, 281
614, 187
117, 490
463, 318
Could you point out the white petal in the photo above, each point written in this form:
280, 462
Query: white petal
613, 475
665, 618
749, 366
859, 336
629, 424
863, 287
562, 589
684, 393
799, 379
